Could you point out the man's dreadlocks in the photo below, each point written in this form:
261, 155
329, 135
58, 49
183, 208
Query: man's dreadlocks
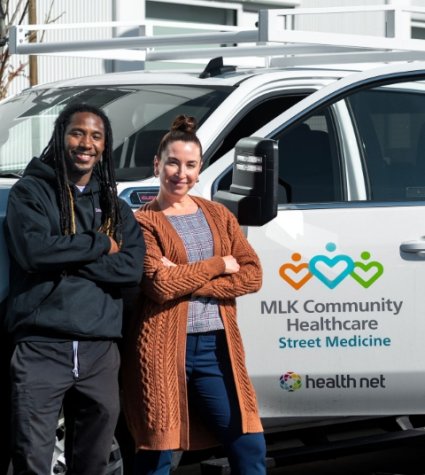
54, 155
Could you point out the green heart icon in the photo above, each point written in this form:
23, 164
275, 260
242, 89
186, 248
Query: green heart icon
376, 273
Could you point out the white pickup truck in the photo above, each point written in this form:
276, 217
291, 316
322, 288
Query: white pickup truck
335, 337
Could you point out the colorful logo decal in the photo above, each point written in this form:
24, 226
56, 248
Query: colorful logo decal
290, 381
331, 270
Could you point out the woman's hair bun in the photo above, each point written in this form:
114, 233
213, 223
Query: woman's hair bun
184, 123
183, 129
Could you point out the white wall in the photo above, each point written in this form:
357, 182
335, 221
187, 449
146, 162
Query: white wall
353, 23
76, 11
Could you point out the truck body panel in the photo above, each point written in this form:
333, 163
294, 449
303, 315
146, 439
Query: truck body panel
336, 330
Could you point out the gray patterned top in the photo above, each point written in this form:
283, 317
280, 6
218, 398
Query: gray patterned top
193, 229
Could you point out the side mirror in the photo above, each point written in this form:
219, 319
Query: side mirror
252, 197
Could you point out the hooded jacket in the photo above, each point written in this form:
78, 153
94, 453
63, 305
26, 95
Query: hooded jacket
65, 287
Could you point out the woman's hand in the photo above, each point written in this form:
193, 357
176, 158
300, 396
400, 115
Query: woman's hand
167, 262
231, 264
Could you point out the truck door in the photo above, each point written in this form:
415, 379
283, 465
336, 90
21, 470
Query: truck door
338, 326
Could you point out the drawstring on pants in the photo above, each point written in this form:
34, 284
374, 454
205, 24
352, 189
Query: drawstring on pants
75, 359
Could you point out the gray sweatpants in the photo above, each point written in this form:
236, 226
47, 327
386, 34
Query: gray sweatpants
43, 380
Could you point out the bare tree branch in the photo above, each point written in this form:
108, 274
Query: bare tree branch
49, 18
9, 72
3, 10
18, 8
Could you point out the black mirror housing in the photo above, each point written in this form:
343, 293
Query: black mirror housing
252, 197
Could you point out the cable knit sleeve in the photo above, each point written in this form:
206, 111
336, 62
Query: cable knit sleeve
249, 277
161, 283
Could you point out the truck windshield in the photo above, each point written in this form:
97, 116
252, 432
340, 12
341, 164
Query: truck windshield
140, 115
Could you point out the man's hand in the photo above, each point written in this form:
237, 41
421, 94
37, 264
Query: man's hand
114, 246
167, 262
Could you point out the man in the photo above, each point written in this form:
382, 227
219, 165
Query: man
5, 454
73, 244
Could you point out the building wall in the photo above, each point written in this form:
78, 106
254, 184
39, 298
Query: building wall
76, 11
69, 11
352, 23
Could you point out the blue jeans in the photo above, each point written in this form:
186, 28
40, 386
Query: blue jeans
211, 387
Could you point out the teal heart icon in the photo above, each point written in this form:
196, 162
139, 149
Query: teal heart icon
330, 263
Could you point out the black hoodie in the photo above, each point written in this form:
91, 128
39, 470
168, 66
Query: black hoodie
65, 287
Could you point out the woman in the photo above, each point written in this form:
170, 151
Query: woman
184, 376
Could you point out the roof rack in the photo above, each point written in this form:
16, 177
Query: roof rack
276, 40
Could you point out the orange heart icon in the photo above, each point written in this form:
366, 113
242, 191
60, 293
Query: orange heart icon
289, 273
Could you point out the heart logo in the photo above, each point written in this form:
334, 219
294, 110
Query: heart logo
331, 271
367, 274
296, 275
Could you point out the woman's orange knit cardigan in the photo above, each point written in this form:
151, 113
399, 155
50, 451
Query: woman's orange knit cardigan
153, 368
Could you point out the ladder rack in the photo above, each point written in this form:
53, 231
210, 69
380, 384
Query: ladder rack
276, 40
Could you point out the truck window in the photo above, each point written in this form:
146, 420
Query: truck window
309, 163
390, 126
247, 122
140, 115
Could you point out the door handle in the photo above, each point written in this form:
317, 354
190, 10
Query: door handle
414, 247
